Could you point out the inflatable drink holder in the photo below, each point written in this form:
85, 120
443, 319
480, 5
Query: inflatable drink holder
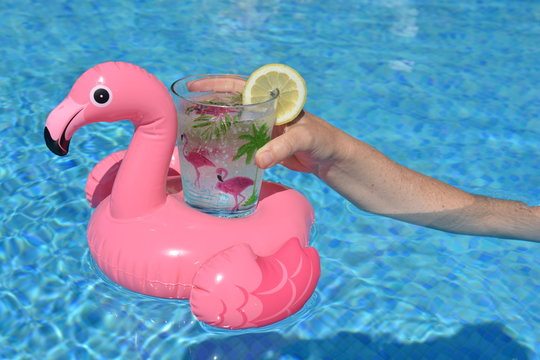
236, 273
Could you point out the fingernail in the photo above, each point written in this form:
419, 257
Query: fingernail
265, 159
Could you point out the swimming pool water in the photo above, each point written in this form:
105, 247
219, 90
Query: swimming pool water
448, 88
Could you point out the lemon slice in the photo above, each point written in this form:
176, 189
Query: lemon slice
291, 86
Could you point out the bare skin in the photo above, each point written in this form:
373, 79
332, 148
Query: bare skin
375, 183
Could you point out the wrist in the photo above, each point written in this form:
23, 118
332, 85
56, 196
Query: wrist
342, 150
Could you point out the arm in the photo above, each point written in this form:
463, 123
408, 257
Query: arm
375, 183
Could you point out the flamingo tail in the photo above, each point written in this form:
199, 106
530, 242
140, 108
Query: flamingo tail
237, 289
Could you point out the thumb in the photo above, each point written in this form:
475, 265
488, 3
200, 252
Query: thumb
281, 147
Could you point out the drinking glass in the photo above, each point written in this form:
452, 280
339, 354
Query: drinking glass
217, 141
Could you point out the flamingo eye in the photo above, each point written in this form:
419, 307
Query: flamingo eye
101, 95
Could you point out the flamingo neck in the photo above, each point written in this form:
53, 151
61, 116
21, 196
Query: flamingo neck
184, 148
140, 186
223, 172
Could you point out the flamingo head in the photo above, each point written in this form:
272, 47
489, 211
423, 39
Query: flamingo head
221, 174
106, 92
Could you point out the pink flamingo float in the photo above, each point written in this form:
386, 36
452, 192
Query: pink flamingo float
195, 158
233, 186
236, 273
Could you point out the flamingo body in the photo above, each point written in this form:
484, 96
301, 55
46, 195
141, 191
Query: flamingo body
144, 237
233, 186
196, 159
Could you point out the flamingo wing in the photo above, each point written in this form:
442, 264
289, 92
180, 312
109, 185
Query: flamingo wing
198, 160
235, 185
240, 183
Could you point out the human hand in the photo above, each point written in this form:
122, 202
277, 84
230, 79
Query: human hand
373, 182
307, 144
226, 83
301, 145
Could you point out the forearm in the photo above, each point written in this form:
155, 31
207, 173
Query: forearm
375, 183
491, 217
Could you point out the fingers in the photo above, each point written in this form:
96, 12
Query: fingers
280, 129
222, 83
282, 147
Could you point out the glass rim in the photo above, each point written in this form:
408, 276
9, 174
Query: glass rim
273, 94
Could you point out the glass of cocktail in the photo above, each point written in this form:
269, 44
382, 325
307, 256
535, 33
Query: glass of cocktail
217, 140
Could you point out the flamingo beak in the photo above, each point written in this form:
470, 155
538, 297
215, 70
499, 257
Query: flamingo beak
59, 147
56, 133
220, 178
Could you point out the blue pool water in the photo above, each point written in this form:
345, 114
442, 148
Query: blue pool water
449, 88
